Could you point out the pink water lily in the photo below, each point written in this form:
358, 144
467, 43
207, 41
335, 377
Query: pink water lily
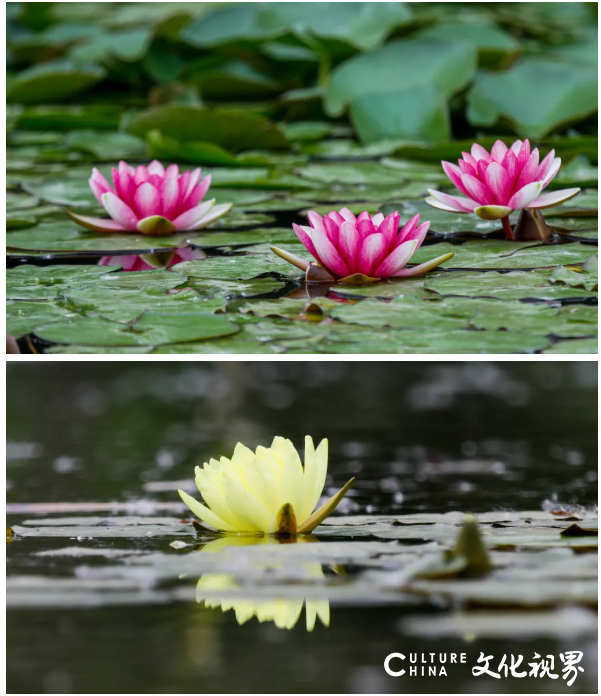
363, 247
152, 200
148, 262
498, 183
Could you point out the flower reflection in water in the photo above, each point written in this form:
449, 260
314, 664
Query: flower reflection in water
148, 262
284, 613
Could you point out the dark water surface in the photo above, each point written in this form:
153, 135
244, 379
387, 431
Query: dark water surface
419, 437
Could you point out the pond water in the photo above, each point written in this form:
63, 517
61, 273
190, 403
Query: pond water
421, 438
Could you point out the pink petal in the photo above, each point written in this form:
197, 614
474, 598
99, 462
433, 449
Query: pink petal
477, 190
155, 167
331, 229
377, 219
498, 151
169, 196
147, 200
457, 203
471, 161
509, 164
124, 167
528, 173
545, 165
365, 227
349, 244
454, 174
467, 168
194, 179
172, 171
515, 148
198, 193
141, 175
336, 217
499, 183
315, 220
546, 200
395, 261
552, 171
119, 211
193, 216
366, 216
418, 235
373, 250
441, 206
347, 215
97, 224
329, 255
390, 227
478, 153
524, 155
525, 196
305, 239
482, 168
406, 230
125, 186
99, 184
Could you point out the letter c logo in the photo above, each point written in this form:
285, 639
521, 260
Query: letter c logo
387, 665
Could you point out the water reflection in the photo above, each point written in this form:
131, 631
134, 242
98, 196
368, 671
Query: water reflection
148, 262
283, 612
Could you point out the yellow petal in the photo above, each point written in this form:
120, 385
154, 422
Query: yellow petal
205, 514
250, 514
311, 611
325, 510
321, 461
309, 480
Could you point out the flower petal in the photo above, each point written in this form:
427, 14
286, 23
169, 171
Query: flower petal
119, 211
349, 244
525, 196
479, 153
141, 174
553, 169
329, 255
424, 267
395, 261
331, 229
377, 219
373, 250
169, 196
498, 151
515, 148
455, 175
188, 220
155, 167
214, 213
407, 230
418, 234
95, 223
547, 200
192, 181
365, 227
198, 193
99, 185
205, 514
476, 189
390, 227
441, 206
459, 204
498, 182
528, 173
347, 215
147, 200
306, 240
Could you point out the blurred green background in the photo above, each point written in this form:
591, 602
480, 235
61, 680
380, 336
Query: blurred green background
416, 72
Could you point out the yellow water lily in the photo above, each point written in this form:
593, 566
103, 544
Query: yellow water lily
267, 491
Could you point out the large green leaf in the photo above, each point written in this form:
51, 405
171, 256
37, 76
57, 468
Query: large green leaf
228, 129
535, 95
51, 82
398, 66
417, 114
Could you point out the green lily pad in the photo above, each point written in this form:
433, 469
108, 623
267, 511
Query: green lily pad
151, 329
52, 81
